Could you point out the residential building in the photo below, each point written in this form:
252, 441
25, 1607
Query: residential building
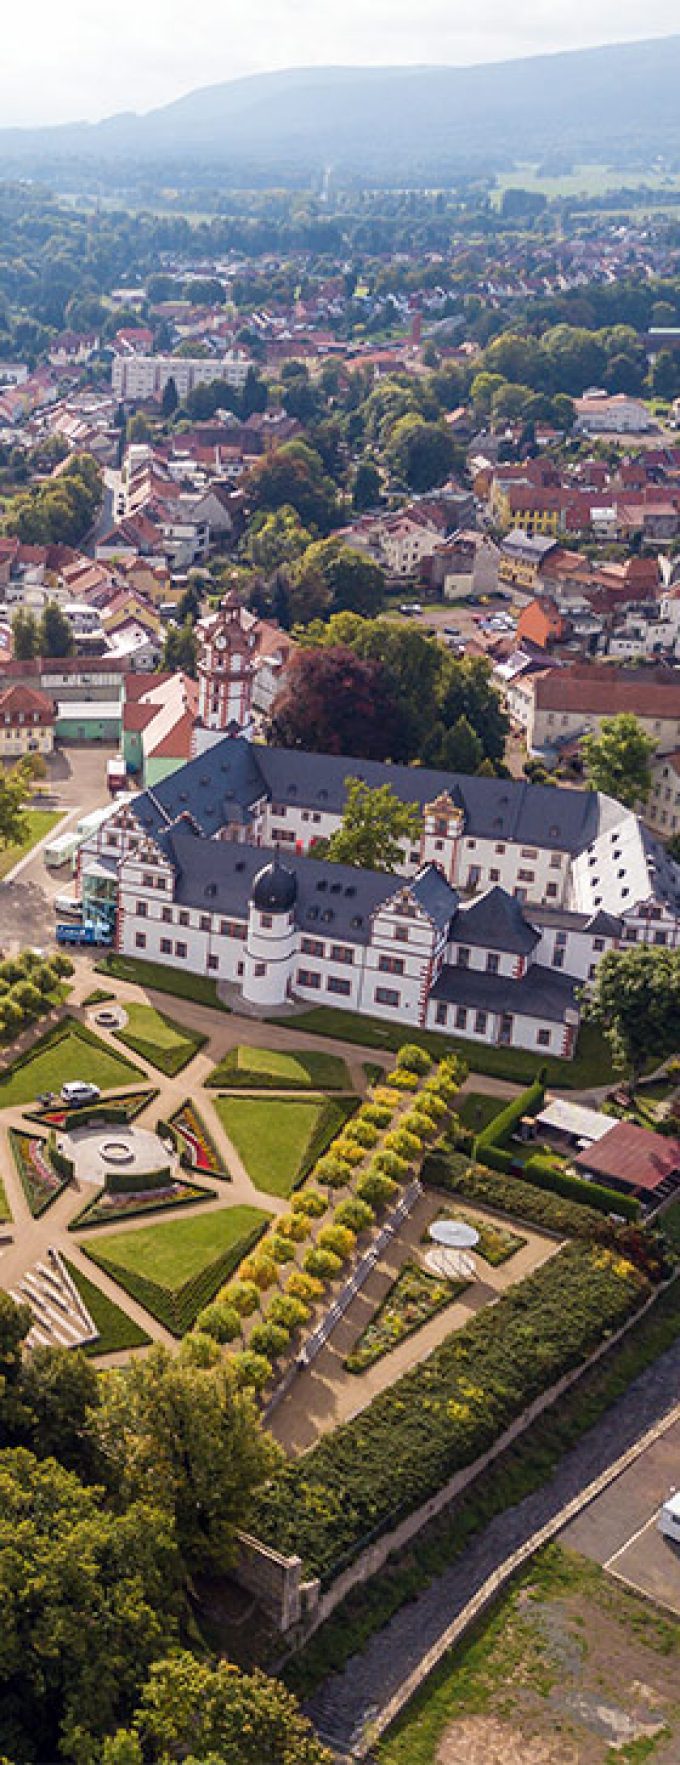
601, 413
563, 704
27, 719
139, 377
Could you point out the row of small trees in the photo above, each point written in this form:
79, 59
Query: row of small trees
262, 1311
28, 985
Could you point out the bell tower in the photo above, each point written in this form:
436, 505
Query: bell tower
226, 665
443, 822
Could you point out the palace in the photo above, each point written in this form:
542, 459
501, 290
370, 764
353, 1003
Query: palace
497, 919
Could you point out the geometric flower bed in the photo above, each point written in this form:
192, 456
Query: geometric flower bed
109, 1206
496, 1242
121, 1107
40, 1182
175, 1267
412, 1300
196, 1148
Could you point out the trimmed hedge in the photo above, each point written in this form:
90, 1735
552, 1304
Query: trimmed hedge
357, 1482
133, 1182
511, 1195
178, 1307
502, 1126
548, 1175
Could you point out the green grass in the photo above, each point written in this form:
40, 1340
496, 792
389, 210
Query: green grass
278, 1138
269, 1068
587, 180
159, 1039
156, 977
69, 1052
5, 1211
100, 996
477, 1109
592, 1063
175, 1269
116, 1329
38, 823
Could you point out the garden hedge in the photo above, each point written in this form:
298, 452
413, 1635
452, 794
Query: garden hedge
502, 1126
548, 1175
133, 1182
178, 1307
538, 1207
357, 1482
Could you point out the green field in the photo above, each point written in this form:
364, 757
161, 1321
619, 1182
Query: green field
159, 1039
38, 823
157, 977
477, 1108
268, 1068
278, 1138
175, 1269
71, 1052
592, 1063
116, 1329
583, 180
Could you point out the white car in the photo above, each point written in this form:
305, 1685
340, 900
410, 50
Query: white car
69, 905
78, 1091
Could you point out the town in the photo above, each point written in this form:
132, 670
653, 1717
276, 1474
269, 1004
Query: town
339, 969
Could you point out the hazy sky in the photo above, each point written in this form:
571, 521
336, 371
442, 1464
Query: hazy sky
85, 58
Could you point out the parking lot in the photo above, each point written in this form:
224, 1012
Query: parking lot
620, 1529
76, 784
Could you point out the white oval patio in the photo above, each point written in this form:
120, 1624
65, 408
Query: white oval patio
99, 1151
452, 1240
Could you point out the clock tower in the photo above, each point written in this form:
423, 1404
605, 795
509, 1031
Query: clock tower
226, 664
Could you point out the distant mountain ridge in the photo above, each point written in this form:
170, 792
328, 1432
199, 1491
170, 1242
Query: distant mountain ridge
615, 103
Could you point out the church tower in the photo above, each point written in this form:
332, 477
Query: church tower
226, 665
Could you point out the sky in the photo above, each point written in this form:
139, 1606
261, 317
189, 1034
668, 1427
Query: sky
83, 59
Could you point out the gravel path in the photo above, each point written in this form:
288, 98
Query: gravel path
342, 1704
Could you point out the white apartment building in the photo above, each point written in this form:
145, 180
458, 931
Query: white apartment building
146, 376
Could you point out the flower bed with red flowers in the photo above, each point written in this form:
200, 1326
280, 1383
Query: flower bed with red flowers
196, 1148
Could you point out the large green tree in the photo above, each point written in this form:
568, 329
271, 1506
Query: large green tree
375, 827
276, 539
293, 476
55, 636
617, 759
351, 581
421, 454
635, 998
206, 1715
16, 787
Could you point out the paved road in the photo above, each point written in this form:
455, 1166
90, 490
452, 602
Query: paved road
343, 1704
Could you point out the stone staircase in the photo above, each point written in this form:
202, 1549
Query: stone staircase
60, 1317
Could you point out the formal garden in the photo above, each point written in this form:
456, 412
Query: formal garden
175, 1269
258, 1069
413, 1298
279, 1139
69, 1051
158, 1038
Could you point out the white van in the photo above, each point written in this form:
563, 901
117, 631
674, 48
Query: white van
68, 906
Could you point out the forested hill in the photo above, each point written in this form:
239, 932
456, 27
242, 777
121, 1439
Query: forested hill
615, 103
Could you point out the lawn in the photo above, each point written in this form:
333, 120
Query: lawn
157, 977
592, 1063
159, 1039
269, 1068
175, 1268
476, 1109
563, 1653
69, 1052
279, 1138
5, 1211
116, 1329
38, 823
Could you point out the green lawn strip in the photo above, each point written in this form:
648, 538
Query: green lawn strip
156, 977
116, 1329
175, 1268
159, 1039
414, 1298
592, 1063
38, 823
516, 1473
280, 1138
70, 1051
509, 1660
5, 1210
296, 1070
476, 1109
100, 996
122, 1207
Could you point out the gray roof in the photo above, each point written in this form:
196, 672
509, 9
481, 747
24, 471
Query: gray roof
541, 992
601, 924
494, 921
223, 784
436, 897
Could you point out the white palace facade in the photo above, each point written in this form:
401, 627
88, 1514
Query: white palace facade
497, 919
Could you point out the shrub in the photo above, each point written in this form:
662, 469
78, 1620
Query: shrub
250, 1369
349, 1151
244, 1296
513, 1196
355, 1214
294, 1226
432, 1104
219, 1320
268, 1338
62, 964
362, 1131
378, 1114
322, 1263
548, 1175
339, 1239
280, 1248
287, 1310
375, 1188
414, 1058
332, 1170
402, 1080
419, 1123
390, 1164
405, 1144
496, 1158
385, 1096
261, 1270
460, 1136
309, 1202
303, 1286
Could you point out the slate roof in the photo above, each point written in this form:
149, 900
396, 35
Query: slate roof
225, 782
436, 897
494, 921
541, 993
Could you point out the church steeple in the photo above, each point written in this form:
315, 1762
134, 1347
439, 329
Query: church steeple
226, 658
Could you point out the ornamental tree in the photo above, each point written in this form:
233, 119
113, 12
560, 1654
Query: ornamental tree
635, 998
375, 825
617, 759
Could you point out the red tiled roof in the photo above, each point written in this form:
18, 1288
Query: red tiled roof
25, 702
589, 688
632, 1155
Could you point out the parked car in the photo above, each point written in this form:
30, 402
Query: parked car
68, 904
412, 609
79, 1091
